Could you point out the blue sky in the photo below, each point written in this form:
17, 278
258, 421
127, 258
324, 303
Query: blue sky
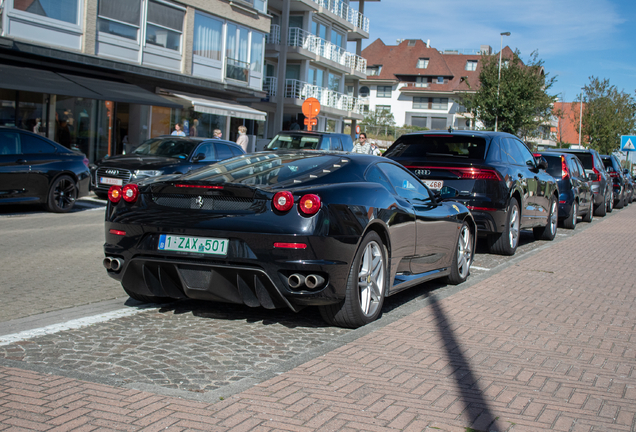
576, 39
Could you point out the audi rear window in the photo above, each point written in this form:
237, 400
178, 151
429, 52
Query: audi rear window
439, 146
586, 160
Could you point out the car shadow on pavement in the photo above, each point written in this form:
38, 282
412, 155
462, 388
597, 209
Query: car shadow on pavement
29, 209
308, 317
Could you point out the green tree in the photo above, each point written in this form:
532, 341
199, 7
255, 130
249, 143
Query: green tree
523, 103
381, 117
607, 114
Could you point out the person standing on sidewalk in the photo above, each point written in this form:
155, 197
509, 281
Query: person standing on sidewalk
177, 130
374, 149
242, 139
362, 146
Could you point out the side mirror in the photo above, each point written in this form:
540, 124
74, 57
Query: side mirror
593, 176
447, 192
542, 163
198, 157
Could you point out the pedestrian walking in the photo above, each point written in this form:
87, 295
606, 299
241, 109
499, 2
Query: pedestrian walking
217, 133
374, 149
177, 130
243, 139
362, 146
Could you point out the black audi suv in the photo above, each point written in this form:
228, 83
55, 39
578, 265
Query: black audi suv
497, 177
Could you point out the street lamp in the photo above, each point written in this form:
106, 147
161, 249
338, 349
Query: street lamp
581, 116
499, 77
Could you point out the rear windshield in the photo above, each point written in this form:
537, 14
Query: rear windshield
608, 164
297, 142
586, 160
554, 165
269, 169
444, 146
176, 148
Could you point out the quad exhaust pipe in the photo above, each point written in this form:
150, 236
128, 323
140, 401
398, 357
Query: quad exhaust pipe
296, 281
114, 264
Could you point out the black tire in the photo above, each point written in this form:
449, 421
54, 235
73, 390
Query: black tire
589, 216
62, 195
370, 259
601, 210
570, 221
463, 256
619, 204
506, 243
548, 232
148, 299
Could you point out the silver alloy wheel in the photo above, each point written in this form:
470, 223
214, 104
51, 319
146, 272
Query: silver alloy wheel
371, 278
554, 217
574, 214
464, 252
513, 232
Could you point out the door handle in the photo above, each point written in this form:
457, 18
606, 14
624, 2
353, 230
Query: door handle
520, 175
21, 161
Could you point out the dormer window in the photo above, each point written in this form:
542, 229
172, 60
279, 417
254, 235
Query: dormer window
411, 42
374, 71
421, 82
422, 63
471, 65
440, 80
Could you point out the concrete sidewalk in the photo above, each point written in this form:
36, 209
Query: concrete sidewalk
546, 344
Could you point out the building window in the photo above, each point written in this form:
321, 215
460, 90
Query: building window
440, 104
364, 91
61, 10
411, 42
421, 82
422, 63
383, 108
384, 91
337, 39
208, 37
260, 5
164, 25
471, 65
119, 18
440, 80
374, 71
256, 56
333, 82
420, 103
236, 52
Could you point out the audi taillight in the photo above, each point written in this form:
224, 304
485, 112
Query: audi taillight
114, 194
130, 192
598, 174
309, 204
468, 173
283, 201
565, 172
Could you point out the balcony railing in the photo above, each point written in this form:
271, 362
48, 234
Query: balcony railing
269, 85
274, 34
296, 89
344, 11
304, 39
237, 70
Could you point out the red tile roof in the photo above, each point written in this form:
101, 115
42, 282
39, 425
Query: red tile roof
399, 60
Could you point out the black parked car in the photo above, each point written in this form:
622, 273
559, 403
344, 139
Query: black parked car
601, 180
629, 180
304, 140
287, 229
496, 175
158, 156
34, 169
614, 169
575, 187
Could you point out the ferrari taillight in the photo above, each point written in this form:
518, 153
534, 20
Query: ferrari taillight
130, 192
309, 204
283, 201
114, 194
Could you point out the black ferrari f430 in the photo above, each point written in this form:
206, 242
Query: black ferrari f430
287, 229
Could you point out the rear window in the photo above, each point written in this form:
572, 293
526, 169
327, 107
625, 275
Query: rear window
170, 147
608, 164
586, 160
297, 142
554, 165
269, 169
439, 146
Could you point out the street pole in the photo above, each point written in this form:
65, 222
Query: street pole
499, 76
581, 117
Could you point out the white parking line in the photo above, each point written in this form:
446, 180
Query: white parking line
479, 268
68, 325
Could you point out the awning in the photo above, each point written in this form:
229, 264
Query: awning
223, 107
44, 81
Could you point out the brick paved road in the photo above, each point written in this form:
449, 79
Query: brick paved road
545, 344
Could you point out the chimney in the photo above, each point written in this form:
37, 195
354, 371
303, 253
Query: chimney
428, 43
485, 49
